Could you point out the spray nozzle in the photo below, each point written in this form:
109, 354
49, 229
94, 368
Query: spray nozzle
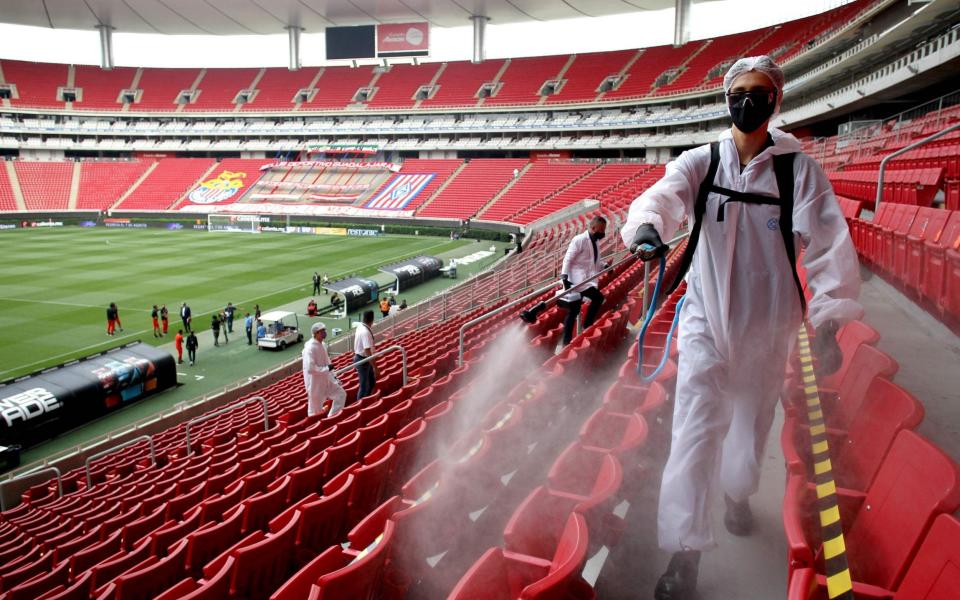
530, 315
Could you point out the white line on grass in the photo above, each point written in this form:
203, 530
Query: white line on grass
73, 304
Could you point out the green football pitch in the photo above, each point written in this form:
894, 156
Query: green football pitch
55, 284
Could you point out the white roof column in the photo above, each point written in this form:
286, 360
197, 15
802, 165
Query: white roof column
479, 28
293, 36
681, 22
106, 46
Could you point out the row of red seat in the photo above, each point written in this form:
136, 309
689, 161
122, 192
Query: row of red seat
458, 83
911, 186
917, 249
894, 488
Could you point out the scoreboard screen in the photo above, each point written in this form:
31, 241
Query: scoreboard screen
351, 42
378, 41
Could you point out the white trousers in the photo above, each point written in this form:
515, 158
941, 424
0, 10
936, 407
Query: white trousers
724, 407
322, 387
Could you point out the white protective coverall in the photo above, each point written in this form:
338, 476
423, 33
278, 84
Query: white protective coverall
739, 319
580, 264
319, 381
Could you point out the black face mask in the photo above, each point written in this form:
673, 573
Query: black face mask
750, 110
597, 236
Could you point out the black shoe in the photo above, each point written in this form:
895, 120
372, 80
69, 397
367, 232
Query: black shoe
679, 582
738, 518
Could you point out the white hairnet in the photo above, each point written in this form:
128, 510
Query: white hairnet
317, 327
761, 64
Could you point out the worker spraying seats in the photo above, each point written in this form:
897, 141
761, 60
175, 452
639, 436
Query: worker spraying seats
753, 200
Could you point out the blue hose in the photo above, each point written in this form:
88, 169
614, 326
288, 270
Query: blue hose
646, 323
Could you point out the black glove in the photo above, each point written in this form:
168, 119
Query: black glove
647, 243
827, 350
566, 282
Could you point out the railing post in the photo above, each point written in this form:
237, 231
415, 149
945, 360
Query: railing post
226, 409
136, 440
56, 473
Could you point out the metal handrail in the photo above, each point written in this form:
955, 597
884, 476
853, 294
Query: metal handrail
533, 294
378, 353
56, 473
226, 409
892, 155
136, 440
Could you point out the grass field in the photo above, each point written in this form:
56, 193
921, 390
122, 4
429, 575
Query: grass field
55, 284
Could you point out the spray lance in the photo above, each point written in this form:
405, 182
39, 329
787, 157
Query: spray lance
531, 314
646, 252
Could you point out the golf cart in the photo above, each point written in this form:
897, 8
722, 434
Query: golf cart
283, 329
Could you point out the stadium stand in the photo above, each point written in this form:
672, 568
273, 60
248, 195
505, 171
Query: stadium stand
583, 78
161, 88
102, 183
596, 185
45, 185
277, 89
167, 183
8, 200
397, 87
459, 83
102, 89
472, 188
523, 78
541, 179
286, 506
36, 83
338, 86
219, 87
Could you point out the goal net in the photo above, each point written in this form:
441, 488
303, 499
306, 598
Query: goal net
235, 223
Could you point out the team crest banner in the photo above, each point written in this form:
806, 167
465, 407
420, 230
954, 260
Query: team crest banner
222, 187
400, 191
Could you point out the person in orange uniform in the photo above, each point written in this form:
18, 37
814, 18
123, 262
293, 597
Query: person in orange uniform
178, 344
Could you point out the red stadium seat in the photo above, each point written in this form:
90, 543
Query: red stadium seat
507, 575
859, 452
915, 483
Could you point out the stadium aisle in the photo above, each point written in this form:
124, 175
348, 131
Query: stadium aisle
928, 353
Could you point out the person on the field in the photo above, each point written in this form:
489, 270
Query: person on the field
223, 326
316, 283
192, 345
164, 318
228, 312
215, 328
318, 378
384, 307
178, 344
312, 308
743, 305
581, 262
185, 316
112, 318
155, 317
363, 348
261, 331
248, 327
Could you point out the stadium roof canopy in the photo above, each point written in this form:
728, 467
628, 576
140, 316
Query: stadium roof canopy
246, 17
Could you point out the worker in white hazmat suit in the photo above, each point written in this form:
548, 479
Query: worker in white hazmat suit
318, 379
581, 262
753, 200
